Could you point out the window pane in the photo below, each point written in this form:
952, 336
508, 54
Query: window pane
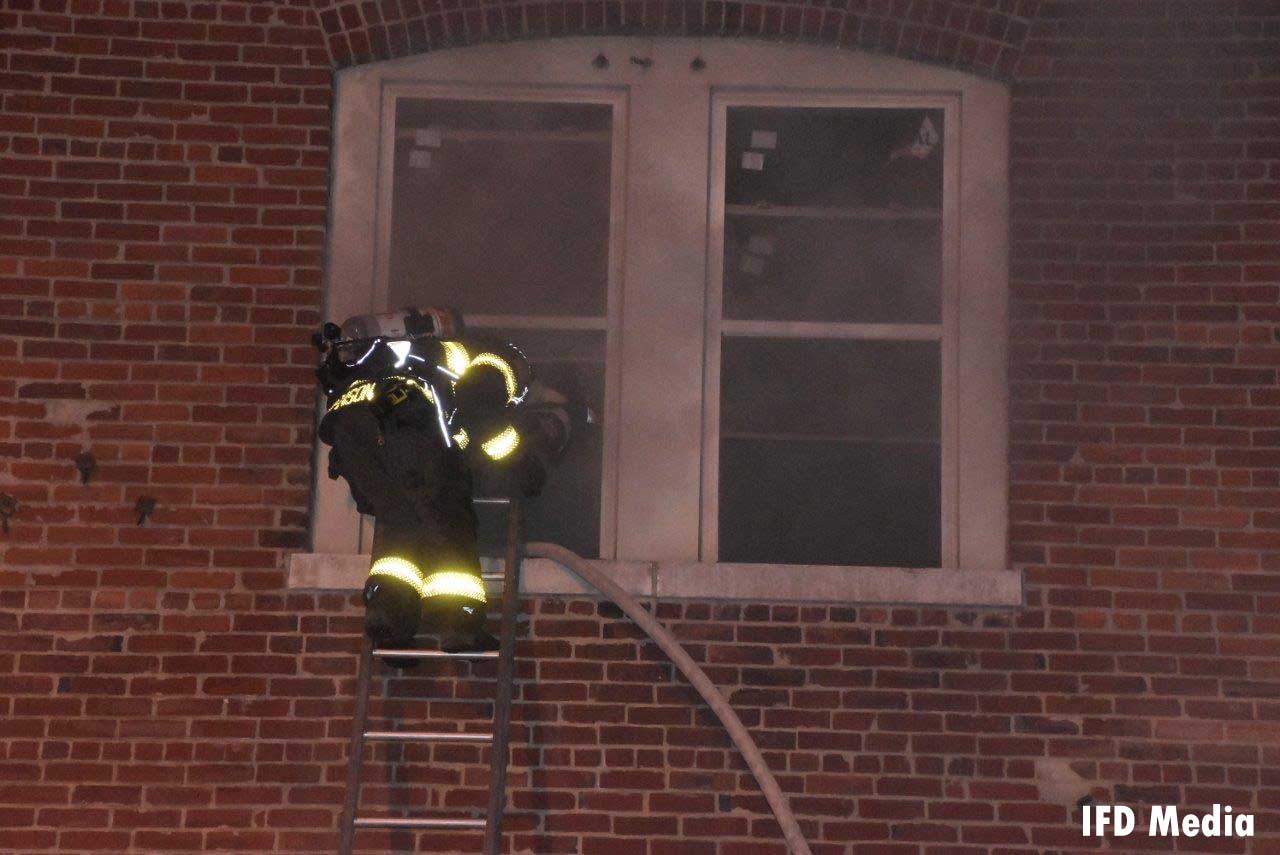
834, 157
501, 207
568, 510
841, 270
830, 452
885, 390
833, 215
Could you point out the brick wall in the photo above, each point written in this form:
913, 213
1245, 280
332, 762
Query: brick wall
162, 175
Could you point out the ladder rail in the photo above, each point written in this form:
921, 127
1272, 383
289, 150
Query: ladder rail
506, 676
355, 750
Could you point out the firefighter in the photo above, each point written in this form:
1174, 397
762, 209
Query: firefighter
413, 408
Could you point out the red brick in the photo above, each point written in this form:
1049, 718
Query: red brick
1142, 465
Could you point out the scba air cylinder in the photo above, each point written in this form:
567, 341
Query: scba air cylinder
405, 323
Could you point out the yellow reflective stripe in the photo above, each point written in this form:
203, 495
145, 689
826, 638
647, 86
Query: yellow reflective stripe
501, 445
462, 438
453, 583
362, 391
398, 568
508, 373
456, 358
420, 385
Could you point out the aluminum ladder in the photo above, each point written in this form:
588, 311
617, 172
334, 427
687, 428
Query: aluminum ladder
498, 739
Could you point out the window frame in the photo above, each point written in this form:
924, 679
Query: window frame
944, 332
978, 138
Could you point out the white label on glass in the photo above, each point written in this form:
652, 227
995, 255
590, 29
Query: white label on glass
752, 160
427, 137
764, 139
420, 158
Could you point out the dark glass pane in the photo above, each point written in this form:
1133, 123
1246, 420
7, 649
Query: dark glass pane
866, 504
832, 270
501, 207
840, 157
833, 215
887, 390
830, 452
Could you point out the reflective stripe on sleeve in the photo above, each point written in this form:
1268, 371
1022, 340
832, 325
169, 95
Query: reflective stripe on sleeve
504, 368
501, 445
456, 358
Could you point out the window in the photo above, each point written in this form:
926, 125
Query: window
779, 279
532, 266
831, 371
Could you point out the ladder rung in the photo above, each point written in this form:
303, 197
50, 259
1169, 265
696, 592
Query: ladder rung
435, 654
493, 577
416, 822
426, 736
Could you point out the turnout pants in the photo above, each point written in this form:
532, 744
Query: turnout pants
419, 492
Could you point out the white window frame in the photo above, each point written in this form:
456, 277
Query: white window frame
944, 332
663, 306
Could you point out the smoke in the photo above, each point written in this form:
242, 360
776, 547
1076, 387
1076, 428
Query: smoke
503, 209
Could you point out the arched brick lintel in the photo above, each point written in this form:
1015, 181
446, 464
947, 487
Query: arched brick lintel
985, 37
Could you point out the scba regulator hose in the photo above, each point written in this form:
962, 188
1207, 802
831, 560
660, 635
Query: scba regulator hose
695, 675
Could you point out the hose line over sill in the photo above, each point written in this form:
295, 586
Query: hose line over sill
695, 675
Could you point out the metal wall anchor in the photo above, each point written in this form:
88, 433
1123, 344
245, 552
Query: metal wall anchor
86, 463
144, 507
8, 507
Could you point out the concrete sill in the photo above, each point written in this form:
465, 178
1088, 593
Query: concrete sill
771, 583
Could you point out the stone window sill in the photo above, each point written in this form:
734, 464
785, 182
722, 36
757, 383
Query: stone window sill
771, 583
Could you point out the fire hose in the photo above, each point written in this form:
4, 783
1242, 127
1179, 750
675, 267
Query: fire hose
695, 675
